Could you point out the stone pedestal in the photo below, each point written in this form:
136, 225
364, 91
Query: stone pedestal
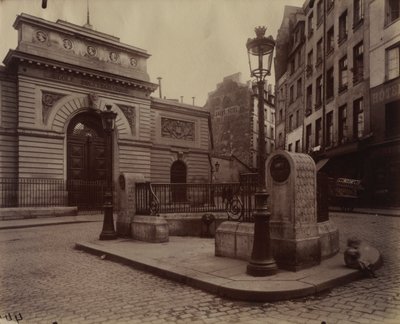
234, 240
328, 238
152, 229
291, 182
127, 203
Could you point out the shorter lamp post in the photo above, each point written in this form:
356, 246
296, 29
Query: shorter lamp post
259, 50
108, 121
214, 169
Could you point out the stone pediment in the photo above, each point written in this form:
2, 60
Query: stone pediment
80, 46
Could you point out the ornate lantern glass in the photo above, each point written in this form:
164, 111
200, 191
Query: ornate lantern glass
108, 119
260, 51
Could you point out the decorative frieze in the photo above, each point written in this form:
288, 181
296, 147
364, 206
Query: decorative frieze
177, 129
48, 101
130, 114
81, 47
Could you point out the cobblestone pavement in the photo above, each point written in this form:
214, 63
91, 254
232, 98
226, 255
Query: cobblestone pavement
45, 281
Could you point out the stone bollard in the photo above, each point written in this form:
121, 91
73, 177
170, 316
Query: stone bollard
127, 204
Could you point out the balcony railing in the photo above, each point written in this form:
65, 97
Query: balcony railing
236, 199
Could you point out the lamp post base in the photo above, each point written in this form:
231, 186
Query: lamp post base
261, 269
262, 262
108, 231
109, 235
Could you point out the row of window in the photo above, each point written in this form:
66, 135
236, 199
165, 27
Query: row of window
343, 134
357, 17
358, 72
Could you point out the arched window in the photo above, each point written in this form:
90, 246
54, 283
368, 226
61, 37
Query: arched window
178, 181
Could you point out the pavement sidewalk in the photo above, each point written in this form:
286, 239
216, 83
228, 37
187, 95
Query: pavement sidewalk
191, 261
45, 221
370, 211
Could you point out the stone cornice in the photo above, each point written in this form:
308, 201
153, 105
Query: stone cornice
60, 67
176, 107
39, 133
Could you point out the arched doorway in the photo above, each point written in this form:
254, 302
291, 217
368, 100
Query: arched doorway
178, 176
86, 167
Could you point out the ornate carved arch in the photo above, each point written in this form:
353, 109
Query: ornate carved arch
71, 105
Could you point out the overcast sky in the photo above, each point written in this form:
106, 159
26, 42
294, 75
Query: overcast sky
193, 43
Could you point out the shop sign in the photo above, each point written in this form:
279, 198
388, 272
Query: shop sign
385, 93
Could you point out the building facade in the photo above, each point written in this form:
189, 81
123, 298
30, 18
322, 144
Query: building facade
52, 87
290, 70
340, 125
234, 118
384, 153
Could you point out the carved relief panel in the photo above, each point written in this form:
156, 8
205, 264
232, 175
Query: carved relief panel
49, 99
130, 114
177, 129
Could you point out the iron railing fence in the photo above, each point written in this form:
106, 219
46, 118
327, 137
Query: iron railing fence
237, 199
87, 195
32, 192
43, 192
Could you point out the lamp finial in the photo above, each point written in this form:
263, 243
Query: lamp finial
260, 31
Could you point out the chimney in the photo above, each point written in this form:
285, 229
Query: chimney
159, 87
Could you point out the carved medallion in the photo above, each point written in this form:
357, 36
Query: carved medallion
48, 101
91, 50
41, 36
67, 43
177, 129
130, 114
113, 56
280, 168
133, 62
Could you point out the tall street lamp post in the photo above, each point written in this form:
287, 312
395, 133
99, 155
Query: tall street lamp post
260, 50
108, 121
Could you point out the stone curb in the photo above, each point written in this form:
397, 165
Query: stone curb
6, 227
219, 286
366, 212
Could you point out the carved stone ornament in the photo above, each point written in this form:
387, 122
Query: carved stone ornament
41, 36
91, 50
133, 62
177, 129
114, 56
130, 114
67, 43
48, 101
93, 100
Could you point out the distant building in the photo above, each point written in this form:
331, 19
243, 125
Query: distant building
53, 86
233, 108
325, 52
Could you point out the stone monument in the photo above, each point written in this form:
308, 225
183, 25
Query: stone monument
291, 182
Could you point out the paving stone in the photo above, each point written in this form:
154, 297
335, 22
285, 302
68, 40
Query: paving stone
46, 280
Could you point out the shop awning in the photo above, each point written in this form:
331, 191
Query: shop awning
320, 164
